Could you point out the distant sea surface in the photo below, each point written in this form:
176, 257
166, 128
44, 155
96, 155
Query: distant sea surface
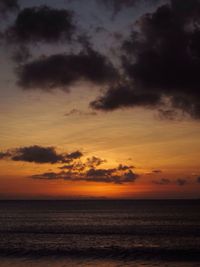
100, 233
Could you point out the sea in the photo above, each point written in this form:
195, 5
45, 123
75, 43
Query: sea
110, 233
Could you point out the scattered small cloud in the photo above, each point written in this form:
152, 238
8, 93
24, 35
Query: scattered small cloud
166, 181
74, 155
181, 181
95, 162
80, 113
122, 167
163, 181
74, 166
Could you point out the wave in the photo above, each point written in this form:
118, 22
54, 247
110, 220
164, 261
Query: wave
145, 253
108, 230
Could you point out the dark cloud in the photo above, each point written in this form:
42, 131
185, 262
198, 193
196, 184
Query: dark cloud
79, 166
198, 179
94, 162
7, 6
100, 172
161, 61
129, 176
122, 96
98, 176
74, 167
87, 170
163, 181
63, 70
122, 167
111, 176
41, 24
4, 155
39, 154
74, 155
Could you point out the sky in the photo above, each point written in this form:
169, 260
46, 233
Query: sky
99, 100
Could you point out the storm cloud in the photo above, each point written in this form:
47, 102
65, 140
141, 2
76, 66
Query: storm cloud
161, 61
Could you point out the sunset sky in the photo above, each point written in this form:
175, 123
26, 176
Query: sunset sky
99, 99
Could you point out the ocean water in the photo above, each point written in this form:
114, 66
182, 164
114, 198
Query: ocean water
100, 233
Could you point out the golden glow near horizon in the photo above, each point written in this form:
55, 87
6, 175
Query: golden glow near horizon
127, 137
44, 112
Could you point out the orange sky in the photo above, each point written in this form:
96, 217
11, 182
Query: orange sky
62, 118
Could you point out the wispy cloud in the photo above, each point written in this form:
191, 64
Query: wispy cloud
75, 111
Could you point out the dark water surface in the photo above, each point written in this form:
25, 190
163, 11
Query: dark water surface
100, 233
